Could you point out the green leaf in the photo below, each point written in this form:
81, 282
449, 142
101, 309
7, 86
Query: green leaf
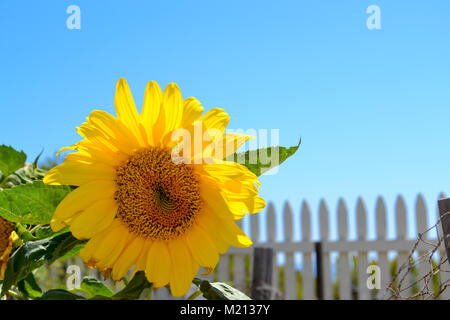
45, 231
32, 203
11, 160
26, 174
260, 160
60, 294
29, 287
94, 287
34, 254
134, 288
75, 251
219, 291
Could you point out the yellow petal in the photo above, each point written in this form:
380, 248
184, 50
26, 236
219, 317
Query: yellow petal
158, 267
181, 278
226, 230
172, 102
209, 225
114, 130
171, 113
88, 250
126, 109
202, 247
224, 171
97, 152
234, 235
213, 200
77, 174
249, 205
151, 108
192, 110
81, 198
94, 219
127, 258
228, 145
142, 259
215, 118
111, 245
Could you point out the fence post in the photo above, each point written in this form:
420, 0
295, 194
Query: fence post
444, 209
262, 273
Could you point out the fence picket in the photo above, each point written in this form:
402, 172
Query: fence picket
401, 225
239, 268
344, 266
271, 239
254, 233
383, 262
324, 237
290, 286
361, 221
254, 228
307, 272
421, 223
223, 269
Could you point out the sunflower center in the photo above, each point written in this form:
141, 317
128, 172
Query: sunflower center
6, 227
157, 197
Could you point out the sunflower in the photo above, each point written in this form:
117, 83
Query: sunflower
146, 201
7, 238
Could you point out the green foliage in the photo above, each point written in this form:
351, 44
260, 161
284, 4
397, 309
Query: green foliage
60, 294
34, 254
29, 287
94, 287
45, 231
32, 203
260, 160
10, 160
75, 251
134, 288
26, 174
219, 291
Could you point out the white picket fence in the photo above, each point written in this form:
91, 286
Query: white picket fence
344, 248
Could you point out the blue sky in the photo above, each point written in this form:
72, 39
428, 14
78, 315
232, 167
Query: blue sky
371, 106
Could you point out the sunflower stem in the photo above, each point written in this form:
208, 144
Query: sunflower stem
34, 229
194, 295
16, 295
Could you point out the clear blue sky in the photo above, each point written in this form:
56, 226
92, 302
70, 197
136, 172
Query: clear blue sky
372, 106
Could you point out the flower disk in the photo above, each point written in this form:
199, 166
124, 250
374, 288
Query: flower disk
158, 198
7, 237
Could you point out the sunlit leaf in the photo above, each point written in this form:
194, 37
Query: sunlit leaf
26, 174
60, 294
219, 291
29, 287
94, 287
10, 160
32, 203
134, 288
261, 160
34, 254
